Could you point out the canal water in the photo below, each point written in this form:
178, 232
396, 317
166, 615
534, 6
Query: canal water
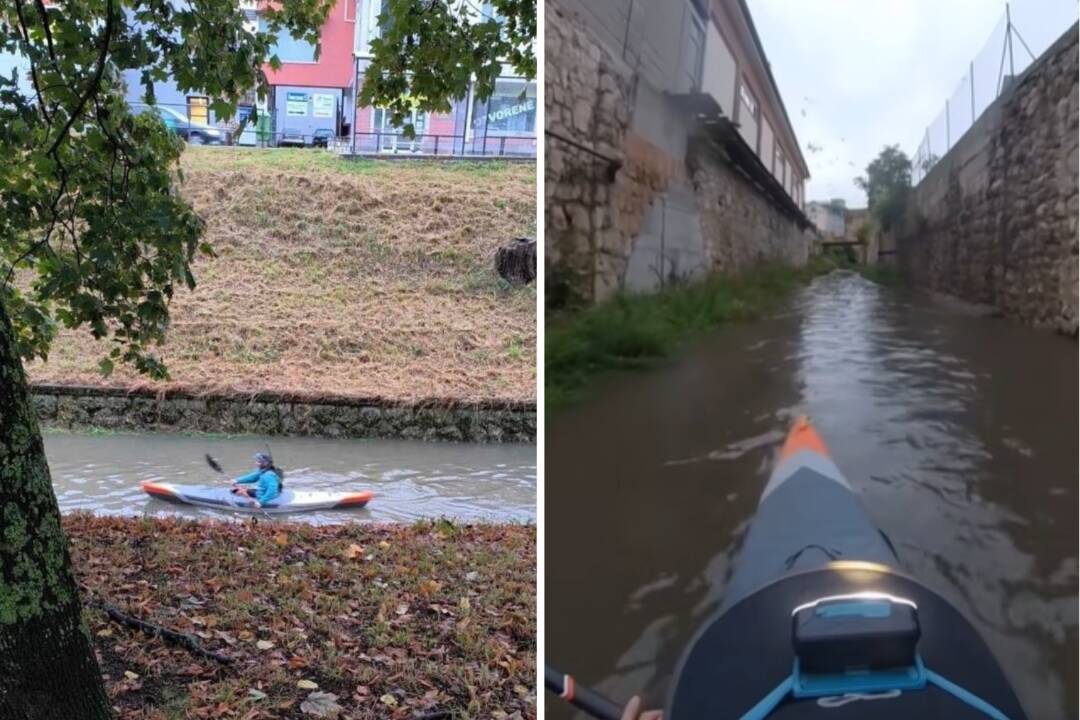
411, 479
960, 431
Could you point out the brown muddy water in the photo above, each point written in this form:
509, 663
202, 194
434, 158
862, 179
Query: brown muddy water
411, 479
959, 430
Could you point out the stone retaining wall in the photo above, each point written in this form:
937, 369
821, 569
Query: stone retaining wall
635, 201
742, 226
73, 407
995, 220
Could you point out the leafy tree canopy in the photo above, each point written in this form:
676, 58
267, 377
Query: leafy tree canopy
92, 229
428, 50
886, 183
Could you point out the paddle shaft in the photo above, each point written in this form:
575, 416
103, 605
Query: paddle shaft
580, 696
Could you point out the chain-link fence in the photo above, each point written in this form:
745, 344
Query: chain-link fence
1003, 56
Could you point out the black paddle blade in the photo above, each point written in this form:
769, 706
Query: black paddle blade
213, 464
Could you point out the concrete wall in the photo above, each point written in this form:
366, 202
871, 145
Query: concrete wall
647, 36
995, 221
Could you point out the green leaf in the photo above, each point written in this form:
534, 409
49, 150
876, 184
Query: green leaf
105, 367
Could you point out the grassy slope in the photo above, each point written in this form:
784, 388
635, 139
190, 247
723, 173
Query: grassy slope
396, 621
344, 278
635, 331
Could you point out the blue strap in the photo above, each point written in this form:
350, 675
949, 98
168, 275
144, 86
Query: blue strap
963, 695
768, 703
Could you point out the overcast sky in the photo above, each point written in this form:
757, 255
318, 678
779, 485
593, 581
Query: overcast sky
856, 75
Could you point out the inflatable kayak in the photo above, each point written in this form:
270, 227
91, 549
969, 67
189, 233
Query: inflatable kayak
819, 622
288, 501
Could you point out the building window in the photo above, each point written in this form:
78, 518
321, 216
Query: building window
781, 166
693, 51
390, 136
746, 98
198, 109
511, 110
290, 49
369, 25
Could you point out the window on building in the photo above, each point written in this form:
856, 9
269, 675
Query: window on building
290, 49
369, 24
511, 110
381, 121
198, 109
780, 168
693, 52
390, 137
746, 98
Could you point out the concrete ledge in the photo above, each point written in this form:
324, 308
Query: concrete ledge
283, 414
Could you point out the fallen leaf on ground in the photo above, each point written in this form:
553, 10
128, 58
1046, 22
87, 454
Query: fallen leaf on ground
321, 704
307, 685
354, 551
131, 675
388, 699
257, 694
264, 644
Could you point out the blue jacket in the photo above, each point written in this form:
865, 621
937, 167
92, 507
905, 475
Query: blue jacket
269, 484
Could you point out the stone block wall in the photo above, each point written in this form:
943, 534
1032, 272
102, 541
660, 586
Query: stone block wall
268, 414
624, 212
995, 220
587, 103
743, 227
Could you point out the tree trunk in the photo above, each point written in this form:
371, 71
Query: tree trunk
516, 262
47, 664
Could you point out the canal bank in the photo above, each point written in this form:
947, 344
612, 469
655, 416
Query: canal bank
959, 430
638, 330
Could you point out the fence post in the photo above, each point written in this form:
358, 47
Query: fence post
502, 146
948, 134
437, 145
487, 121
972, 73
1008, 37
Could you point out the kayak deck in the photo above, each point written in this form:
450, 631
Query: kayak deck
811, 539
745, 652
288, 501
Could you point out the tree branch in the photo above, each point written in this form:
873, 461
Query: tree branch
33, 66
95, 82
48, 32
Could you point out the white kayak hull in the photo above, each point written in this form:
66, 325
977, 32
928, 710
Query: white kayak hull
289, 501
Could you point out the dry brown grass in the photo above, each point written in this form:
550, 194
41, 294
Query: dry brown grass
344, 279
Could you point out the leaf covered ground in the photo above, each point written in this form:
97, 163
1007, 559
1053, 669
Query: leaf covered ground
342, 278
362, 620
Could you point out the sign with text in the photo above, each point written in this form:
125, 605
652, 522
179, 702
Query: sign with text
296, 104
322, 105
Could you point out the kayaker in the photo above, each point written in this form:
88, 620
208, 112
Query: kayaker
266, 475
633, 711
